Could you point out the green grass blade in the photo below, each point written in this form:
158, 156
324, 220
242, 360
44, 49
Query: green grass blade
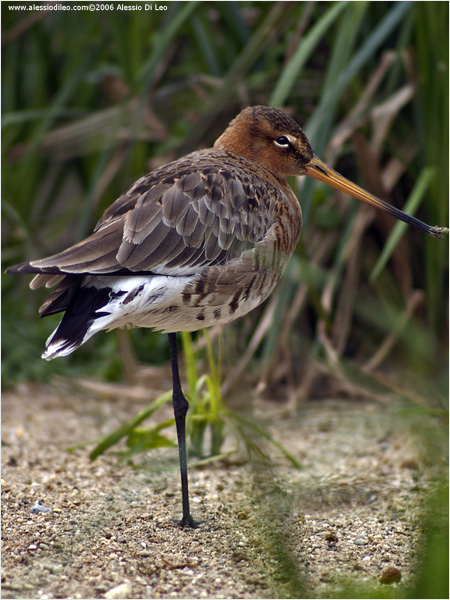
417, 195
191, 364
255, 47
303, 53
366, 52
148, 439
180, 14
213, 381
266, 435
128, 427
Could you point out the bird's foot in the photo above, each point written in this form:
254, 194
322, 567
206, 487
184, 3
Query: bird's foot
188, 521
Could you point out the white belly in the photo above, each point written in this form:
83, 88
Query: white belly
164, 303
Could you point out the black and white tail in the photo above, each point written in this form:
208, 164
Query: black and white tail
84, 308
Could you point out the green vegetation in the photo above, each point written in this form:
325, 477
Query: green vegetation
93, 100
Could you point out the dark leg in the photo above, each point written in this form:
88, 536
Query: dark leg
180, 408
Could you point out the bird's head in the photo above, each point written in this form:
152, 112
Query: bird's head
272, 139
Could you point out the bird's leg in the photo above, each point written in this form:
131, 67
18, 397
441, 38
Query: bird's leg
180, 408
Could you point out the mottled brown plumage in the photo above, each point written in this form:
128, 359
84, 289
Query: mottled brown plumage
200, 241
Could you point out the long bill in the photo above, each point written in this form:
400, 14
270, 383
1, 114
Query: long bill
319, 170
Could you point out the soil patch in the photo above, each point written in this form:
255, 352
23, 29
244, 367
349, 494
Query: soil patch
350, 514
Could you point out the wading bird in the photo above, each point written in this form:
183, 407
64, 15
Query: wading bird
200, 241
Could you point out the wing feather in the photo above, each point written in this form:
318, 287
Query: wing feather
197, 211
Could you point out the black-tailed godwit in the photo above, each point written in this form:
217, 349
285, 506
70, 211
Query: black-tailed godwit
200, 241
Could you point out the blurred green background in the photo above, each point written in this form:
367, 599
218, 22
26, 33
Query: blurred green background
93, 100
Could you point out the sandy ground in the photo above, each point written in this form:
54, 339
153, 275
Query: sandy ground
351, 514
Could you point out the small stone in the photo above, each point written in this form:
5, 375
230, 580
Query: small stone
391, 575
51, 566
40, 508
120, 591
409, 463
238, 556
360, 542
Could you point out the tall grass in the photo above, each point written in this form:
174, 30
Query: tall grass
84, 116
91, 101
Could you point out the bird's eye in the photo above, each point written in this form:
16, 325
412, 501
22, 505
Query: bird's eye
282, 141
